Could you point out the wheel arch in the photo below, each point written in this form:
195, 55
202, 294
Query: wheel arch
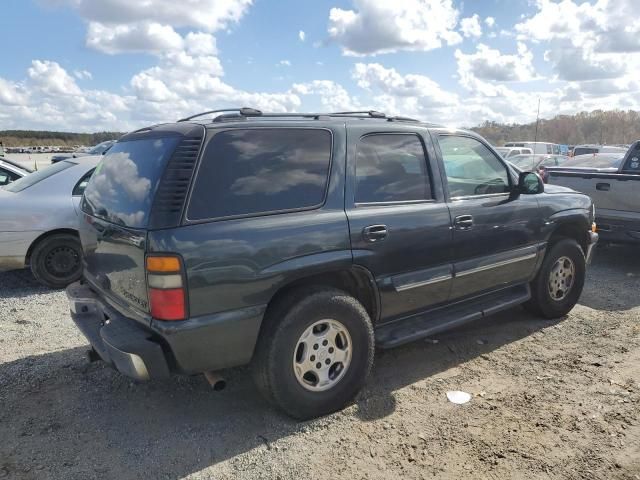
574, 225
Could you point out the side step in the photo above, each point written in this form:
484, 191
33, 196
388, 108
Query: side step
447, 317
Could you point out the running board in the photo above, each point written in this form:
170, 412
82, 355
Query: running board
450, 316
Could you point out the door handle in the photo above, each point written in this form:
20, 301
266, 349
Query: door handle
375, 233
603, 186
463, 222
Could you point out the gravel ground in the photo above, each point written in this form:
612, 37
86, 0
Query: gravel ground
31, 160
552, 399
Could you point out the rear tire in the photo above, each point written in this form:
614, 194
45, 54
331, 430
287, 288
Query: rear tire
559, 282
56, 260
296, 370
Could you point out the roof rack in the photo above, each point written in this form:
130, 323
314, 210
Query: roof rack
244, 111
370, 113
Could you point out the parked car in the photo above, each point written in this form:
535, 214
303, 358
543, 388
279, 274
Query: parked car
11, 171
39, 222
537, 147
99, 149
298, 242
591, 149
538, 163
508, 152
613, 183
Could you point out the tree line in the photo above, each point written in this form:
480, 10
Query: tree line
600, 127
31, 138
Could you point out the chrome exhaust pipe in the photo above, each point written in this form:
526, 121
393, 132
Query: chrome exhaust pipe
216, 381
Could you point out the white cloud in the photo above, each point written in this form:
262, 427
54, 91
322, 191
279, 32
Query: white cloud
52, 79
490, 22
82, 74
374, 76
206, 15
490, 65
302, 36
284, 63
139, 37
470, 27
376, 27
333, 97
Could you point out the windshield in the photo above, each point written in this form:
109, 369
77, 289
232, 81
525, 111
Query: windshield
100, 148
123, 185
525, 162
35, 177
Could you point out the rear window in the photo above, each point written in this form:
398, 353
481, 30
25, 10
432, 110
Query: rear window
257, 171
35, 177
124, 183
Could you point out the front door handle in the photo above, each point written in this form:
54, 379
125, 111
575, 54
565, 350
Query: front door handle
463, 222
375, 233
603, 186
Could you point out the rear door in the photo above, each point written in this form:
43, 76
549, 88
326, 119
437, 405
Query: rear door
399, 224
496, 235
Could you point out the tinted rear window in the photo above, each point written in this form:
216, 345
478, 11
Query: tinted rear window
35, 177
122, 187
253, 171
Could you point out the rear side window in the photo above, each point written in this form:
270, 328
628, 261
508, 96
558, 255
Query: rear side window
257, 171
584, 151
391, 168
123, 185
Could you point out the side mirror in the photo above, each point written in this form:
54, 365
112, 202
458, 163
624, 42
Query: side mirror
530, 183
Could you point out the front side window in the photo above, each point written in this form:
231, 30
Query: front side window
7, 176
391, 168
257, 171
471, 168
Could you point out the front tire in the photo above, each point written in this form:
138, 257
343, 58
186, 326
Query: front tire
559, 282
56, 260
314, 353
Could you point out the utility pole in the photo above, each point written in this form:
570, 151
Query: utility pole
537, 121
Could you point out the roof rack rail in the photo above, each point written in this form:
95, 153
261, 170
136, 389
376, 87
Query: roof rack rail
315, 116
371, 113
244, 111
402, 119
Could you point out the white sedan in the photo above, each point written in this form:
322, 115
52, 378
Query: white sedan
39, 221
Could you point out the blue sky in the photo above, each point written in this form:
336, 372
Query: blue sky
87, 65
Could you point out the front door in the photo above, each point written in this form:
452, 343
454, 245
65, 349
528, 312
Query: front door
399, 223
496, 234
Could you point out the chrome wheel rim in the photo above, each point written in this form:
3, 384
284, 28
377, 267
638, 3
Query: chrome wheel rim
322, 355
561, 278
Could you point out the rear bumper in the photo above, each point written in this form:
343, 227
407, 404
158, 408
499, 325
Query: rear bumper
119, 341
152, 351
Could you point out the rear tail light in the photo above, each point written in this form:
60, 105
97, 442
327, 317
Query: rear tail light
167, 295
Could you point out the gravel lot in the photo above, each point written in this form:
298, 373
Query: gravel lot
552, 399
31, 160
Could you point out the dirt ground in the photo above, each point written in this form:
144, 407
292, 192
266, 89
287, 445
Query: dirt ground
552, 399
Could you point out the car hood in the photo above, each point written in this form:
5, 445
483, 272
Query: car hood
549, 188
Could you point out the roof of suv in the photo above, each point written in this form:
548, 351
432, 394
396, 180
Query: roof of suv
242, 115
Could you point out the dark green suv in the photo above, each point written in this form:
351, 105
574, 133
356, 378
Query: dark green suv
298, 242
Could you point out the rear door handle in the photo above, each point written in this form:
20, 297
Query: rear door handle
375, 233
603, 186
463, 222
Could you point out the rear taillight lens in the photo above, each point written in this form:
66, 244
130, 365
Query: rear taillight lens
167, 295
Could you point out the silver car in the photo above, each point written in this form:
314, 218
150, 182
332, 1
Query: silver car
39, 218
